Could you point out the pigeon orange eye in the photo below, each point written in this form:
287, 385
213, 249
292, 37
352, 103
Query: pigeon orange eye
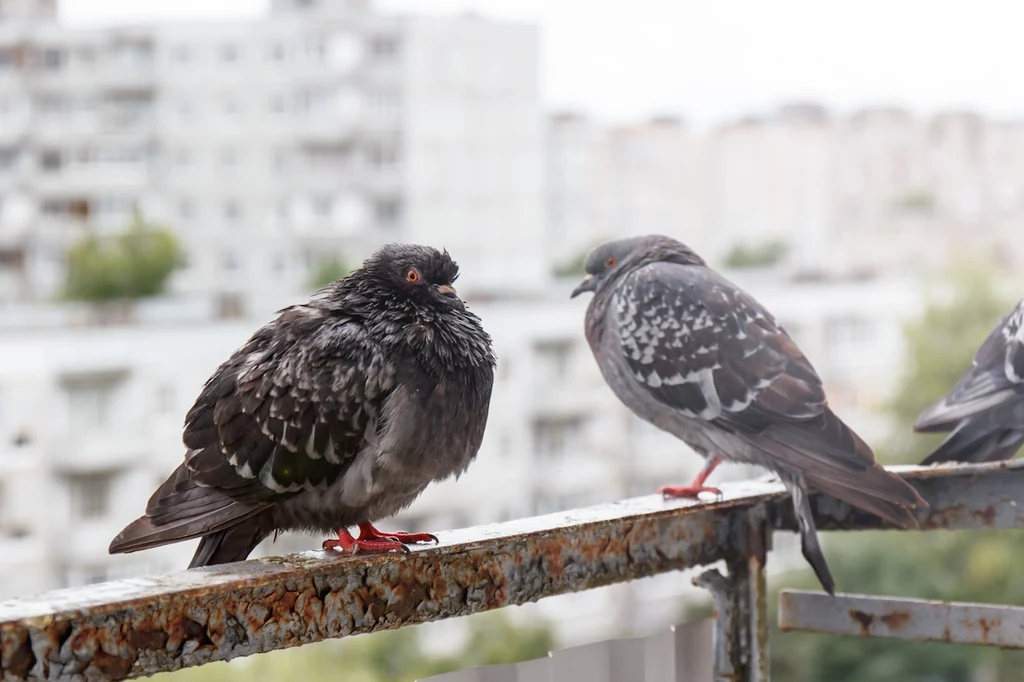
611, 262
412, 276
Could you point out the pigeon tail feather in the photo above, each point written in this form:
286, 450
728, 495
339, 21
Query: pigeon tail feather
229, 545
809, 545
976, 441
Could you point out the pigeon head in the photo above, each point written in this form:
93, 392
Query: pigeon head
418, 274
608, 261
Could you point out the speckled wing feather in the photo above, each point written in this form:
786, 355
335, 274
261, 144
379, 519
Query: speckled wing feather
287, 412
995, 377
702, 346
985, 409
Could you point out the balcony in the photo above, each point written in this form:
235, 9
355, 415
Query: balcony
104, 451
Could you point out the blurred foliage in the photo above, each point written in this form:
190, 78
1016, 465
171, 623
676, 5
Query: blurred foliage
393, 656
132, 265
328, 271
940, 347
965, 565
757, 256
920, 202
573, 267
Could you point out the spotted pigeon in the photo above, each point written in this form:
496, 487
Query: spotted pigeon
337, 413
690, 352
985, 409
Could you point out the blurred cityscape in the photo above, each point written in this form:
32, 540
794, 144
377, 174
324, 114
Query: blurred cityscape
276, 149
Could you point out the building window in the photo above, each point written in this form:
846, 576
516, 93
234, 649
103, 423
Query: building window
89, 405
383, 156
383, 47
555, 437
387, 212
277, 53
229, 53
848, 331
90, 495
315, 49
553, 357
384, 102
232, 211
51, 59
8, 158
50, 161
110, 211
229, 261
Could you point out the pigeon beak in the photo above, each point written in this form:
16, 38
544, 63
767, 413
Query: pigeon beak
446, 290
588, 284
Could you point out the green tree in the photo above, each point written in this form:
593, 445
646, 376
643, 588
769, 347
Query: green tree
329, 270
132, 265
395, 656
757, 256
966, 566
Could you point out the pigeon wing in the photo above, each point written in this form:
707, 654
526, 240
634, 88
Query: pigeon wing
701, 345
288, 412
995, 378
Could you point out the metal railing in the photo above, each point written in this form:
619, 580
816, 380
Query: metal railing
142, 626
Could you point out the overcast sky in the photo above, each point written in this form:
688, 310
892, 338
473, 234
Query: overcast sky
709, 60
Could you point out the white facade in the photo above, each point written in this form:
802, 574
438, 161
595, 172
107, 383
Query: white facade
831, 188
604, 183
90, 421
325, 129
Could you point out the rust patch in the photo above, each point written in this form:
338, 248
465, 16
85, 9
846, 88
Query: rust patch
22, 659
112, 667
865, 620
895, 620
987, 515
148, 636
986, 626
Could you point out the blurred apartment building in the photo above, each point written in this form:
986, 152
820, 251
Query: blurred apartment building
878, 191
325, 128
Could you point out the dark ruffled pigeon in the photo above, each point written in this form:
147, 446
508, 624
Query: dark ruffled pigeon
337, 413
985, 410
693, 354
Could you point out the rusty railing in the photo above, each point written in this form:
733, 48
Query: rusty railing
131, 628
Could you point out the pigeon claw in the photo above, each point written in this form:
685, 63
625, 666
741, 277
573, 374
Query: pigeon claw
372, 540
691, 491
368, 532
374, 544
413, 538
